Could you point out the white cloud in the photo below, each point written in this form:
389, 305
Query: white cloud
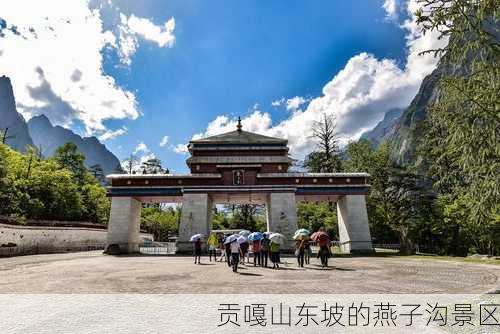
53, 53
141, 147
180, 148
390, 7
358, 96
164, 141
133, 27
110, 134
54, 59
146, 157
294, 103
136, 162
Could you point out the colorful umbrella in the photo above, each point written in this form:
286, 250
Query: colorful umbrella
196, 237
245, 233
302, 231
241, 239
255, 236
231, 238
277, 238
300, 236
316, 236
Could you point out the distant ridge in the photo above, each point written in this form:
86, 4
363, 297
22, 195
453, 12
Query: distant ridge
49, 138
18, 136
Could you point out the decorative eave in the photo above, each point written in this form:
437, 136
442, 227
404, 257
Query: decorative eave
165, 176
239, 166
238, 160
239, 137
239, 147
298, 174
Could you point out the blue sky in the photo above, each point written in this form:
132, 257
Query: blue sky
220, 60
230, 55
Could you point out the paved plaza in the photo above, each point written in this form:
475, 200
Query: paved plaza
93, 272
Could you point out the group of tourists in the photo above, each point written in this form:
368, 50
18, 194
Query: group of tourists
235, 248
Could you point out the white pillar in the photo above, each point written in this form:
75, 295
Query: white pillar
124, 224
196, 217
282, 215
354, 231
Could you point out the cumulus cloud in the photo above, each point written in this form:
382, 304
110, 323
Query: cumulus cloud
294, 103
391, 9
358, 96
110, 134
53, 53
132, 28
141, 147
180, 148
164, 141
134, 163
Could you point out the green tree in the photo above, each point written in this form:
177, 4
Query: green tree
363, 157
409, 203
161, 222
312, 216
68, 156
460, 149
96, 205
9, 195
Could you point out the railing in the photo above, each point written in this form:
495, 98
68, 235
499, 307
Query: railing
158, 248
44, 249
395, 247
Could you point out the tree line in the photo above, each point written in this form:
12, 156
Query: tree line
55, 188
448, 199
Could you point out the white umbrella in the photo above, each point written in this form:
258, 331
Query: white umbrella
245, 233
196, 237
277, 238
241, 239
231, 238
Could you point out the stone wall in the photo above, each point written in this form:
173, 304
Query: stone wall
19, 240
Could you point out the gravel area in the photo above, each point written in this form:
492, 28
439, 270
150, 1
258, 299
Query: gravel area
93, 272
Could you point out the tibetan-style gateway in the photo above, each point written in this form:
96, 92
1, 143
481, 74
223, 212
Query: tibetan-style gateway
238, 167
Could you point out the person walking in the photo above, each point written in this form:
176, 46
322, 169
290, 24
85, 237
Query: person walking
222, 248
300, 250
244, 251
227, 248
274, 248
264, 251
307, 252
256, 252
212, 246
197, 251
235, 255
324, 248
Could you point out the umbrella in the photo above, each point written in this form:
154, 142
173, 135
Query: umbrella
267, 234
302, 231
196, 237
300, 236
231, 238
245, 233
316, 236
241, 239
277, 238
255, 236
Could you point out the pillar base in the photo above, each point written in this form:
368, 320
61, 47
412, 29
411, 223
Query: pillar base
354, 230
124, 226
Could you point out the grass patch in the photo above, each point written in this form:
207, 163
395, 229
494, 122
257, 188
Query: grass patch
454, 258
